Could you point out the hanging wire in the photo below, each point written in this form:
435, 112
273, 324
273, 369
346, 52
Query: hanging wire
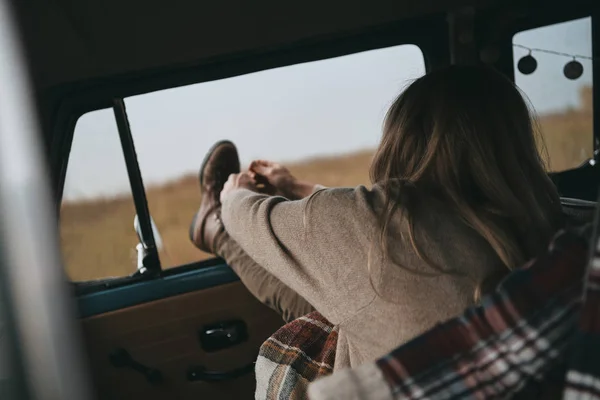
558, 53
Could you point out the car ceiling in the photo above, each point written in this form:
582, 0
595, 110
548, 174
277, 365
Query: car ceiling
78, 40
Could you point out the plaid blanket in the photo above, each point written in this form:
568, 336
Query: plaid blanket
294, 356
583, 376
532, 338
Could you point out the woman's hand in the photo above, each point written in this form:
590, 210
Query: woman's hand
277, 180
243, 180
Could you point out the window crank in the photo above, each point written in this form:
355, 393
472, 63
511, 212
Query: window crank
120, 358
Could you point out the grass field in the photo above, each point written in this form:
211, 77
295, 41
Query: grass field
98, 240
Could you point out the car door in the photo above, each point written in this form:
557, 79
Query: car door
171, 321
187, 332
184, 337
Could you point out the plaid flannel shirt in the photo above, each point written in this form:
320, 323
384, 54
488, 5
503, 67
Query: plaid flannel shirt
297, 354
533, 337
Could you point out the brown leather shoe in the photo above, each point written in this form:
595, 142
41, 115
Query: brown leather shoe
221, 161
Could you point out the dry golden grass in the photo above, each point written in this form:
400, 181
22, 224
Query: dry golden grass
98, 239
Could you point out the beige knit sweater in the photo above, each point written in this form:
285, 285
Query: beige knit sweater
320, 247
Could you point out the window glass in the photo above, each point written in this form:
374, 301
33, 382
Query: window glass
97, 212
321, 119
564, 106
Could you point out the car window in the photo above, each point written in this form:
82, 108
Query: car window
322, 119
564, 105
96, 217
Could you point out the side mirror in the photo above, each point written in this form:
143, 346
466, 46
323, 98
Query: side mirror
157, 237
142, 252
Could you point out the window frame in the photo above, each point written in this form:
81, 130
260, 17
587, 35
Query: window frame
136, 180
151, 260
595, 21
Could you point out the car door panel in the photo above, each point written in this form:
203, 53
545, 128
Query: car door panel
116, 298
164, 334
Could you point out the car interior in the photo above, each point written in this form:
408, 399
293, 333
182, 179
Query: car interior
193, 331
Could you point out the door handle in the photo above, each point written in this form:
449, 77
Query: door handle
121, 358
223, 335
200, 373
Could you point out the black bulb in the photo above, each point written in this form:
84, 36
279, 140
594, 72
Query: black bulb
573, 70
527, 65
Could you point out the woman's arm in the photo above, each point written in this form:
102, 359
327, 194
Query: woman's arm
317, 246
278, 180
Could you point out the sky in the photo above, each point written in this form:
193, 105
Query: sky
291, 113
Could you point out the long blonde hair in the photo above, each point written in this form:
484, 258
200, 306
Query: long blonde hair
464, 134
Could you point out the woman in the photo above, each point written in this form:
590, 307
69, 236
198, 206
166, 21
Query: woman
459, 198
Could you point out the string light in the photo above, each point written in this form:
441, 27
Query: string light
557, 53
527, 65
572, 69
